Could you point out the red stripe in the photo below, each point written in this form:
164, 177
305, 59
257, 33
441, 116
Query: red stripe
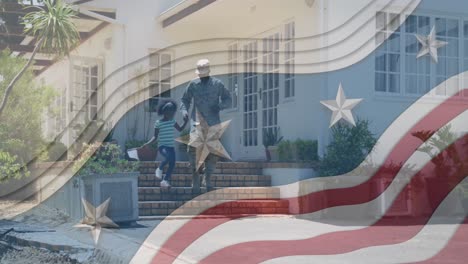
383, 232
438, 117
455, 252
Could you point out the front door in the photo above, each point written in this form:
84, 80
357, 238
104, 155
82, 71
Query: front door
86, 96
251, 144
270, 83
260, 94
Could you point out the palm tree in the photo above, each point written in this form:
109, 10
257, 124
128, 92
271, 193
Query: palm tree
53, 27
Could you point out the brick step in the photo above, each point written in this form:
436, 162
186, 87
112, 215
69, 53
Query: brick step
224, 207
146, 194
220, 180
221, 168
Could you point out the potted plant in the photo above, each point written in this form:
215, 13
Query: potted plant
445, 159
144, 154
271, 139
104, 174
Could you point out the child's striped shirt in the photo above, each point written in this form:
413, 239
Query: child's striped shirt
166, 134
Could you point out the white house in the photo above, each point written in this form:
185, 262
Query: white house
278, 58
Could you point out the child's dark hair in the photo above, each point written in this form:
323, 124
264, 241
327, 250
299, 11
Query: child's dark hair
167, 106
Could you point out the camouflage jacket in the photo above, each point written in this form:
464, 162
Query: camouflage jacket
209, 96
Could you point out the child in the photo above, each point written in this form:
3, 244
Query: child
164, 133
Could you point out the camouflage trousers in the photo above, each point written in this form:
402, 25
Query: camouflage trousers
206, 171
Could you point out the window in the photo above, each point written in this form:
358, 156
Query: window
233, 76
289, 45
417, 79
160, 77
388, 58
398, 71
250, 78
85, 89
448, 65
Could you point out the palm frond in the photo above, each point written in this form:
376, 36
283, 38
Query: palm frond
53, 26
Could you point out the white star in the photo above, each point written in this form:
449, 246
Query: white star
341, 107
96, 218
205, 140
430, 45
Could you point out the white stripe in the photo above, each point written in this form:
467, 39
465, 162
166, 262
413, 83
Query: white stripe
426, 244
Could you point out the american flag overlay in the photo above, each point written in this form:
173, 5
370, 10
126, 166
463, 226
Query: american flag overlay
222, 131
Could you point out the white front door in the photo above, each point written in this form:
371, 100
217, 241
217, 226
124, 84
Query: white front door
252, 147
270, 83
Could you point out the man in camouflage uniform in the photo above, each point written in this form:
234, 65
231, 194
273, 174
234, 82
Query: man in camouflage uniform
209, 96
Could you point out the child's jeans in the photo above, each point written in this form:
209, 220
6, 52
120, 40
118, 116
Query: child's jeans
169, 158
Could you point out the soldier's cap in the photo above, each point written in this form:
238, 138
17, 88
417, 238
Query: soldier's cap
203, 68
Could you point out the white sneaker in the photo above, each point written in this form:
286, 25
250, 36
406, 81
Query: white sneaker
158, 173
165, 184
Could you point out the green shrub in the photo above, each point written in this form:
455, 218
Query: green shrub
10, 167
307, 150
138, 143
105, 158
348, 148
286, 151
271, 138
298, 150
57, 151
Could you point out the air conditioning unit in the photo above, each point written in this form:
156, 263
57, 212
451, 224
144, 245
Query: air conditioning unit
121, 188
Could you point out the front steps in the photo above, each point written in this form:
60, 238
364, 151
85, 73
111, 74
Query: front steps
231, 181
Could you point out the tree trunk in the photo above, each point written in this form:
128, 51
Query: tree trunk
18, 76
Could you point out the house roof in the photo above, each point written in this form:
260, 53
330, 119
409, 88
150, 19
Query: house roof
182, 10
12, 34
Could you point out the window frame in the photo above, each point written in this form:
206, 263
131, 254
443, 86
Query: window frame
233, 75
403, 93
161, 66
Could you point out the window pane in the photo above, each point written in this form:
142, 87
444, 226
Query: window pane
394, 62
424, 84
380, 82
411, 84
154, 60
424, 64
441, 27
411, 64
452, 67
411, 24
466, 48
380, 38
166, 60
452, 48
394, 83
381, 20
394, 22
441, 68
466, 29
452, 28
424, 27
412, 44
380, 62
394, 43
